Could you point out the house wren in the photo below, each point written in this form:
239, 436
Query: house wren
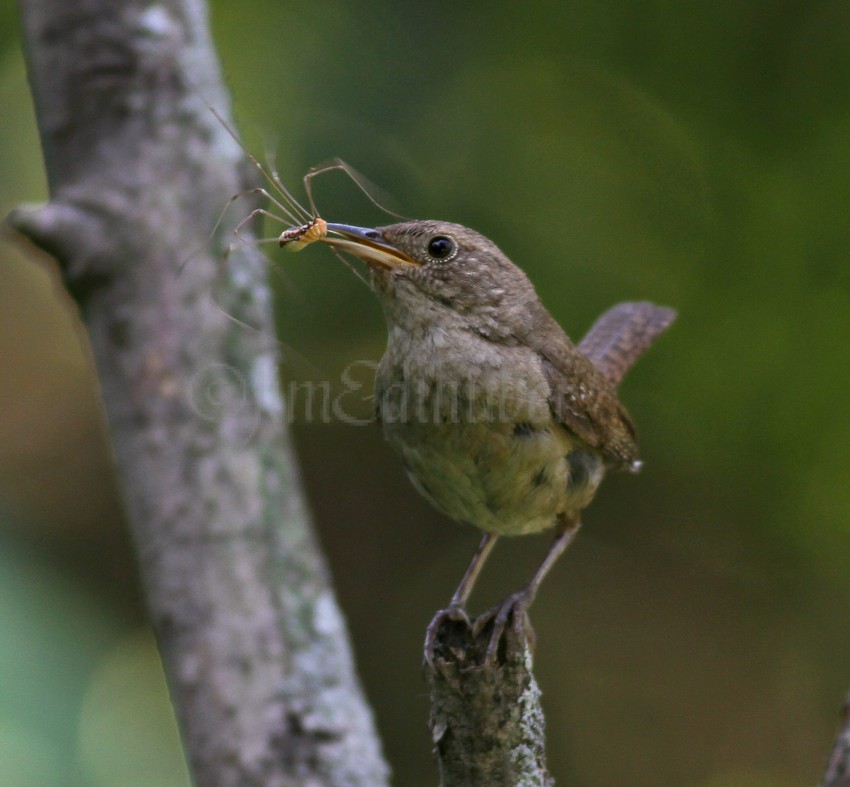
500, 420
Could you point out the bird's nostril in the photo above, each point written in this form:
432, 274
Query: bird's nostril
372, 234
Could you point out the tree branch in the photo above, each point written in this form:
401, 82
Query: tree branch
253, 644
486, 720
838, 768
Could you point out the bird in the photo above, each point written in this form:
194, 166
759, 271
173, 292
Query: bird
499, 419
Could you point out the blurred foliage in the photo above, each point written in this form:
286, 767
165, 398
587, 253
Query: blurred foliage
695, 155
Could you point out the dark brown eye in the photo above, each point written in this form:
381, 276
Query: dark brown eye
441, 247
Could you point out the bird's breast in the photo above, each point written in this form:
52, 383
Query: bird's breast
473, 426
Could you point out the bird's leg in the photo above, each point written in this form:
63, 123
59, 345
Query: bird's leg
517, 603
464, 589
455, 611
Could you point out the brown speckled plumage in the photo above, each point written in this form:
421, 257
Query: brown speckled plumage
500, 419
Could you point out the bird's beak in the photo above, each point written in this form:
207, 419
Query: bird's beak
367, 244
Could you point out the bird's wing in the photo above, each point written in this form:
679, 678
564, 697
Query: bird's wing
622, 334
581, 398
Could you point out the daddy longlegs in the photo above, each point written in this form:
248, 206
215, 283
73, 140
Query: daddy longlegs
303, 226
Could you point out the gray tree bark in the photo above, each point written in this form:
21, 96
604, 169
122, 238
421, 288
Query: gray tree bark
253, 643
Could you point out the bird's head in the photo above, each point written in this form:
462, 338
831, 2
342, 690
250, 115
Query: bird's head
439, 271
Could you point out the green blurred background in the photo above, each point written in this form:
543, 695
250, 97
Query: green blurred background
697, 155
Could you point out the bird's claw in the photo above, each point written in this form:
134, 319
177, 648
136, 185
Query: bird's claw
444, 616
511, 610
505, 628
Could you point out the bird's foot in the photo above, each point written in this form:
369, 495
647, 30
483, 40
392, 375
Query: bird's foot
508, 626
451, 616
494, 637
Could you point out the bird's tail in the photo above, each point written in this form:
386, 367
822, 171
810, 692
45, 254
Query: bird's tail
622, 334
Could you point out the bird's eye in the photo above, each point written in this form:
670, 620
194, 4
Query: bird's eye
441, 248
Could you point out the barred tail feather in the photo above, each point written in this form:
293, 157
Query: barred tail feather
622, 334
